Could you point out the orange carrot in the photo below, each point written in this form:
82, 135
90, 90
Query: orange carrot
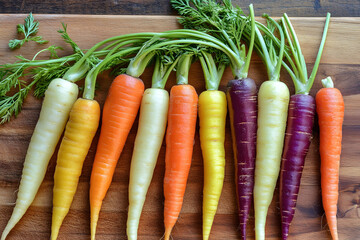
330, 110
120, 110
179, 142
179, 148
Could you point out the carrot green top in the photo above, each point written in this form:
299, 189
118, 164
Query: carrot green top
162, 70
267, 50
42, 72
225, 22
212, 73
112, 58
297, 68
230, 25
183, 67
167, 41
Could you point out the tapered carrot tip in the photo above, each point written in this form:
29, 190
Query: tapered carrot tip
167, 233
54, 234
4, 234
58, 215
95, 210
17, 214
334, 235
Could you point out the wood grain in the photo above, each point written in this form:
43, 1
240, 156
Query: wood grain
305, 8
341, 60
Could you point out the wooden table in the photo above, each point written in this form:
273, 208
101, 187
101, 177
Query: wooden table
341, 60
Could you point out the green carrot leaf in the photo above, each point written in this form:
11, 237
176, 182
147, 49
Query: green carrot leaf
29, 29
11, 105
68, 40
15, 43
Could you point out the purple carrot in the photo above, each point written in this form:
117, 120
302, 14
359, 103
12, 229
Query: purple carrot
299, 125
242, 101
297, 141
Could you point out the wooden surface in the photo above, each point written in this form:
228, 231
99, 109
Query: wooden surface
313, 8
340, 60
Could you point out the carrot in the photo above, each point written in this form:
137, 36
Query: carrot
212, 119
273, 101
242, 103
120, 110
149, 138
79, 133
330, 110
299, 124
179, 143
273, 106
59, 98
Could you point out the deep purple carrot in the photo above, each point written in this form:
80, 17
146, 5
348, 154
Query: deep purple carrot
297, 141
299, 125
242, 102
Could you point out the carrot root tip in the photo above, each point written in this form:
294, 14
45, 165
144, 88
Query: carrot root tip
94, 220
167, 234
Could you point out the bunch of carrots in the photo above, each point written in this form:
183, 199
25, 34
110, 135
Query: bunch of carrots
271, 130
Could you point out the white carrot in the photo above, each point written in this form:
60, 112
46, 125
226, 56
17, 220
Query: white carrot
273, 101
149, 138
59, 98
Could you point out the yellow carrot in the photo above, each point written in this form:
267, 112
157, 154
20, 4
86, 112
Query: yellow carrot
212, 116
79, 132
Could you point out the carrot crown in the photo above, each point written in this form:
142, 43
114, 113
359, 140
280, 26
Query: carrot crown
297, 68
212, 73
327, 82
183, 67
162, 69
270, 50
106, 63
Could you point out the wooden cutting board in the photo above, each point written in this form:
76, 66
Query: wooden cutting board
341, 60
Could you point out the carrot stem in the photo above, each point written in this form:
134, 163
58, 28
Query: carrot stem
298, 70
161, 73
183, 67
317, 61
245, 69
327, 83
212, 74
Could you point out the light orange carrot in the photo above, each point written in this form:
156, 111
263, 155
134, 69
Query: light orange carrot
179, 148
330, 110
120, 110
